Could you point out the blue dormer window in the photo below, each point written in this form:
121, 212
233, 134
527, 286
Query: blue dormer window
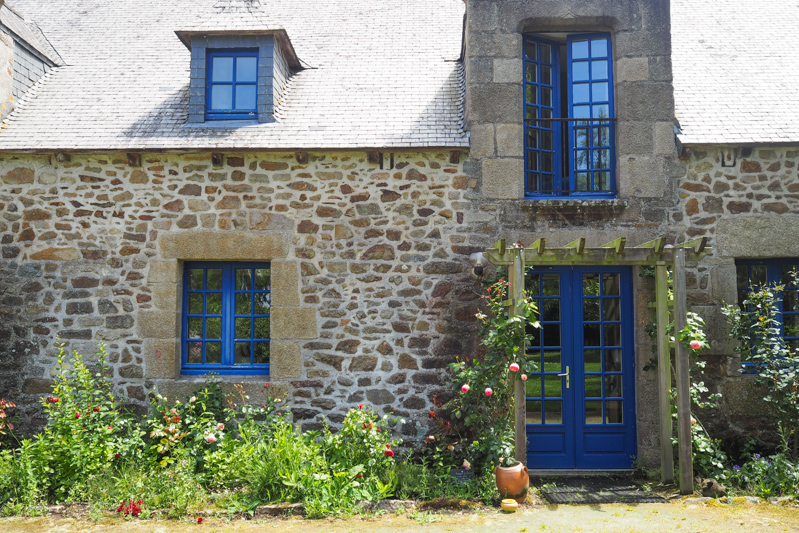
232, 90
569, 119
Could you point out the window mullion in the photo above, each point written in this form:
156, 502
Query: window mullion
227, 322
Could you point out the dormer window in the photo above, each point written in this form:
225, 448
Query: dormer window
237, 75
232, 88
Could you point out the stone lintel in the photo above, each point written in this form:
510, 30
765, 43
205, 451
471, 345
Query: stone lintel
224, 246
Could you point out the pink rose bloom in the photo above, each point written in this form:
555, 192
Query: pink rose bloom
489, 392
210, 439
695, 345
514, 367
220, 426
466, 464
465, 388
524, 377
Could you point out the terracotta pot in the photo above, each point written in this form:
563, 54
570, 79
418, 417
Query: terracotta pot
513, 481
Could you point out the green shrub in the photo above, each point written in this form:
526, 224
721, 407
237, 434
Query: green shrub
87, 431
767, 476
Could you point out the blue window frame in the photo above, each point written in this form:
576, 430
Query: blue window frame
226, 312
755, 273
232, 87
569, 118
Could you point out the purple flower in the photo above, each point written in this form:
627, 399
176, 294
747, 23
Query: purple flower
736, 467
757, 456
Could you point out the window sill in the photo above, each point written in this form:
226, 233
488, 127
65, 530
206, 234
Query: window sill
575, 204
224, 124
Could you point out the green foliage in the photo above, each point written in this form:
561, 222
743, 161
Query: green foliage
93, 452
87, 430
767, 477
486, 405
421, 481
757, 328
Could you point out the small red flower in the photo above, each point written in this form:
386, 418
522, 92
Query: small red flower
77, 415
96, 409
389, 453
378, 429
117, 455
360, 406
388, 445
432, 414
200, 520
358, 475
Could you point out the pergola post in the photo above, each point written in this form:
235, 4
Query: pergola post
664, 372
516, 279
683, 377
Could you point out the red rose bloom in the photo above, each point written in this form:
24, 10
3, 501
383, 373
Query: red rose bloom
77, 415
389, 453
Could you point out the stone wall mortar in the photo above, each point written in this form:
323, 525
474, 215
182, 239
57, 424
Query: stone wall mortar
379, 252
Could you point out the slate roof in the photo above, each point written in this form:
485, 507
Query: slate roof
381, 73
735, 70
28, 32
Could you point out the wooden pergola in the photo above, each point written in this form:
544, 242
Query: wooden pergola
653, 253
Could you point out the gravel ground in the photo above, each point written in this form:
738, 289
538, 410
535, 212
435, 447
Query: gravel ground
739, 516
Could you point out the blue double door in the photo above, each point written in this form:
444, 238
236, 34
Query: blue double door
580, 401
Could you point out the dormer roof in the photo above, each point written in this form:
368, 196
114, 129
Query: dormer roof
241, 17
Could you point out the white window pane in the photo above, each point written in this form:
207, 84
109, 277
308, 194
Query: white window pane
599, 91
580, 71
599, 69
247, 69
222, 69
580, 93
221, 97
580, 50
599, 47
581, 111
245, 97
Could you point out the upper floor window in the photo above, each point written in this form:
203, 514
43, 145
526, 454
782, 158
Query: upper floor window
226, 310
232, 84
569, 119
759, 273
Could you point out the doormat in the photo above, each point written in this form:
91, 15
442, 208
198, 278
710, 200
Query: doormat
593, 490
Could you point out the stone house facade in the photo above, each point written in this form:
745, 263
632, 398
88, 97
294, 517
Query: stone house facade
367, 201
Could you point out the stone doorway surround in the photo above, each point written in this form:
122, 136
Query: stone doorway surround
159, 328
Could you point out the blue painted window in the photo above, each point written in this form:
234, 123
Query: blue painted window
232, 89
226, 310
569, 119
757, 273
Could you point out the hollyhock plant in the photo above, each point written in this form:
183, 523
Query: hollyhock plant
465, 388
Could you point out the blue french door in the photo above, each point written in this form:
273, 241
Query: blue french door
580, 401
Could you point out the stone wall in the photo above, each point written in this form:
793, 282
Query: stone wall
746, 201
369, 265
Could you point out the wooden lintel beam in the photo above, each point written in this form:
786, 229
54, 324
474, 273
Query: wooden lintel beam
617, 244
657, 245
578, 246
539, 246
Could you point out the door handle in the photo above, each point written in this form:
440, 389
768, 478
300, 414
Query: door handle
566, 375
